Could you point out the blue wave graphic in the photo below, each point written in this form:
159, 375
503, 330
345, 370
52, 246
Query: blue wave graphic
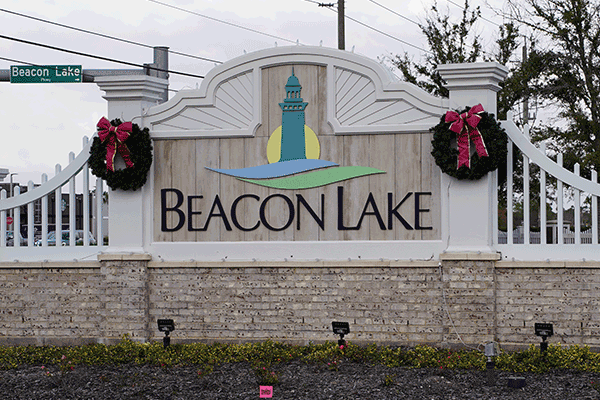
316, 178
275, 170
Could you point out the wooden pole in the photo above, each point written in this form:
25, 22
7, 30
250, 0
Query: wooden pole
341, 36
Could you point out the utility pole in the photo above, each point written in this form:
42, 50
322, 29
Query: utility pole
341, 36
526, 97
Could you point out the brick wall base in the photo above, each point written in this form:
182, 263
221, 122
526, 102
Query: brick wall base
460, 300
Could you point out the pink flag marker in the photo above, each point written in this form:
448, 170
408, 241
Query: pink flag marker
266, 392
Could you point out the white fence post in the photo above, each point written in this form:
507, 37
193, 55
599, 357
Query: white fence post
526, 199
543, 238
99, 213
17, 220
128, 96
2, 221
577, 207
86, 201
45, 214
560, 194
594, 211
30, 228
470, 204
72, 206
509, 191
58, 209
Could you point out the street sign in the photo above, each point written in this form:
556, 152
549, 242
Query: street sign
45, 73
9, 220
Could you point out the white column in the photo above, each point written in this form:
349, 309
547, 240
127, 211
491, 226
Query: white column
470, 204
128, 96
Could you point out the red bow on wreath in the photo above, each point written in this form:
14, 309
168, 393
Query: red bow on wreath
465, 127
115, 136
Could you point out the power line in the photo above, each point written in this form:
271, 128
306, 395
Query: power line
463, 7
221, 21
379, 31
321, 4
395, 13
103, 35
99, 57
419, 25
388, 35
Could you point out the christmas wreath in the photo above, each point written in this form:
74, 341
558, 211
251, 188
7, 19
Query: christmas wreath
134, 146
452, 138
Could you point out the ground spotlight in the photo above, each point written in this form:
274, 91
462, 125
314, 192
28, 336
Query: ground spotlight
545, 331
167, 326
341, 328
491, 351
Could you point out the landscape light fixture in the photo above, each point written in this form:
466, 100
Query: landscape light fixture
491, 350
167, 326
341, 328
545, 331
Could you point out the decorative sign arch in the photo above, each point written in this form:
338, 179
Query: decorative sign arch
362, 96
303, 145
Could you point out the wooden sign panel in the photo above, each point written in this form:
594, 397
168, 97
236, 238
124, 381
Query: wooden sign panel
296, 145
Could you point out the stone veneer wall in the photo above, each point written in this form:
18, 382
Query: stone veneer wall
48, 303
388, 302
296, 302
565, 293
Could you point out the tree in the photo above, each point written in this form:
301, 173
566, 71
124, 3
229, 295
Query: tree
567, 73
562, 71
456, 42
448, 43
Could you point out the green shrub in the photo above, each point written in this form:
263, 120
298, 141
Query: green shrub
263, 356
266, 376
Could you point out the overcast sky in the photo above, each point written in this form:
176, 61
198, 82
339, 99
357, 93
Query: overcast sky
42, 123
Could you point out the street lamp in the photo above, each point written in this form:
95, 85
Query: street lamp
12, 192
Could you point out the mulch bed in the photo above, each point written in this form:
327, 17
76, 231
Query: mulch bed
297, 381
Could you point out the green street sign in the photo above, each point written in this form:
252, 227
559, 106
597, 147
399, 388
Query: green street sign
45, 73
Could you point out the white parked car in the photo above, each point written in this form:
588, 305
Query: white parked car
10, 240
64, 240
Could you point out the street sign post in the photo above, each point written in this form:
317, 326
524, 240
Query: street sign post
45, 74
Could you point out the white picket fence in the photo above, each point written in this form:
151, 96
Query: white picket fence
536, 237
571, 188
71, 250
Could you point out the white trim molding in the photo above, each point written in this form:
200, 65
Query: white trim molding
363, 98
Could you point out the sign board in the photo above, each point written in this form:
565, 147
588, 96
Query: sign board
9, 220
45, 73
312, 146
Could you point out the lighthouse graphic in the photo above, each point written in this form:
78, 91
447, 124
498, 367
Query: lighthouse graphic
293, 152
293, 141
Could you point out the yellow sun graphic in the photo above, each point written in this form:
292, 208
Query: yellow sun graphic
313, 149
